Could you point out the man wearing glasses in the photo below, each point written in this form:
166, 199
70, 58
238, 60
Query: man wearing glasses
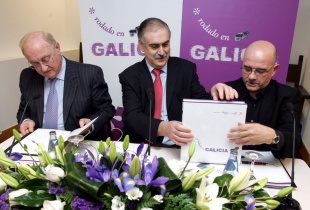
61, 94
269, 124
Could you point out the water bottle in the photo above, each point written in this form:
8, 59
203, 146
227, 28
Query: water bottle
53, 142
231, 166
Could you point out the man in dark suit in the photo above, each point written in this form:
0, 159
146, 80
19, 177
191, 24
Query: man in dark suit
269, 117
179, 80
81, 92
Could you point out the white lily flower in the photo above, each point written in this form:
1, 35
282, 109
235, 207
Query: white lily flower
53, 205
176, 166
117, 204
207, 196
2, 185
134, 194
158, 198
54, 174
15, 194
146, 209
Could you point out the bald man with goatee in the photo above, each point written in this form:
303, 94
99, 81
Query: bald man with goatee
269, 121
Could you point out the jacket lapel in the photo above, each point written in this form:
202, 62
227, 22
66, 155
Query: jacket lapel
39, 103
69, 89
172, 76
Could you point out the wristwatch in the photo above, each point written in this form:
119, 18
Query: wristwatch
276, 138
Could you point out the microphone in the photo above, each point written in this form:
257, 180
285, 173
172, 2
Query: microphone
288, 202
150, 92
8, 151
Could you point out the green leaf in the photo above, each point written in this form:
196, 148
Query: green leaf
164, 170
34, 199
35, 184
76, 179
261, 194
223, 180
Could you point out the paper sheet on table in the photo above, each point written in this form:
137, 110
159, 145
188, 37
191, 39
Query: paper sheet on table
210, 122
273, 170
41, 135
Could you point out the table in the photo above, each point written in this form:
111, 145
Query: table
302, 171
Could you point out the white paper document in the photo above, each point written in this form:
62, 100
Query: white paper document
267, 167
42, 136
210, 122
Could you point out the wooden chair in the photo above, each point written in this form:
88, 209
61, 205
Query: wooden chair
293, 79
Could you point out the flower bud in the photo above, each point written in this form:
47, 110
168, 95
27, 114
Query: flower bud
272, 204
47, 157
135, 167
7, 162
204, 172
192, 149
27, 171
112, 152
261, 183
61, 143
55, 205
285, 191
16, 135
102, 147
188, 181
2, 185
108, 141
54, 174
2, 153
126, 142
16, 193
9, 180
240, 181
59, 155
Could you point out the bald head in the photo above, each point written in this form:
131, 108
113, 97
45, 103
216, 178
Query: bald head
31, 38
259, 66
262, 50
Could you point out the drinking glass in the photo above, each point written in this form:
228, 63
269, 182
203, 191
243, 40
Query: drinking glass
253, 156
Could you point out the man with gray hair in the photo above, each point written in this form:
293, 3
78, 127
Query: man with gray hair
68, 94
165, 81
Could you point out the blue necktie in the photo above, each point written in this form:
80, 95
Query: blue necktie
51, 114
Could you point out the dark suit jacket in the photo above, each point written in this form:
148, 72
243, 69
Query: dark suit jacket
274, 113
85, 96
136, 81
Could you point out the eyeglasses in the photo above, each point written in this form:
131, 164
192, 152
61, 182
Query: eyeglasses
45, 61
258, 72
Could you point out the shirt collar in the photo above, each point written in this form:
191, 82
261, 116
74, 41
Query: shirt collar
164, 69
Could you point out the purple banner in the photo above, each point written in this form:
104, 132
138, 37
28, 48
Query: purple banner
216, 33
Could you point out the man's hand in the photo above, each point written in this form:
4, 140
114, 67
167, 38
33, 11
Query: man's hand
84, 121
223, 92
251, 134
176, 132
27, 127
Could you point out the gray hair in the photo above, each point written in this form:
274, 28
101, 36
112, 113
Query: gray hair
151, 24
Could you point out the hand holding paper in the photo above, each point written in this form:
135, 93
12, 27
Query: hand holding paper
178, 133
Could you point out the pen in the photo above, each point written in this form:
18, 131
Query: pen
255, 163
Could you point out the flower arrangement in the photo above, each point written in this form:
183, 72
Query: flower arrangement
126, 180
